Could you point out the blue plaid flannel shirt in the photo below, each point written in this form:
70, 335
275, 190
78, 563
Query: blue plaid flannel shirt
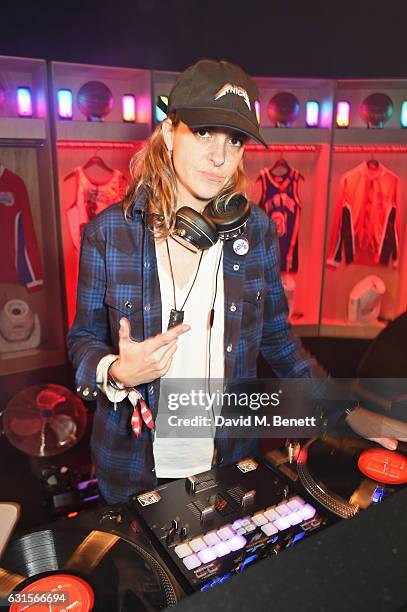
118, 277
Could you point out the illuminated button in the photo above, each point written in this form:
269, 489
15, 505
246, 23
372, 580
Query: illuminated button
241, 531
259, 519
211, 538
226, 533
237, 542
221, 549
295, 504
282, 523
183, 550
191, 562
307, 512
207, 555
269, 529
295, 518
246, 521
197, 544
282, 509
250, 527
238, 524
271, 514
298, 499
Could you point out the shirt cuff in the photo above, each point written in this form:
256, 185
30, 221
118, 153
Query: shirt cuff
113, 395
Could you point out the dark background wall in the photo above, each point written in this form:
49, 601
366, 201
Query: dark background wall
333, 39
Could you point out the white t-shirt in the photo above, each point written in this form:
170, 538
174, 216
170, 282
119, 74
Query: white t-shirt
182, 457
178, 457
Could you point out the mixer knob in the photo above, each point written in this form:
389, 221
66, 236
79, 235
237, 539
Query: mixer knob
248, 498
175, 523
112, 515
184, 531
207, 513
190, 484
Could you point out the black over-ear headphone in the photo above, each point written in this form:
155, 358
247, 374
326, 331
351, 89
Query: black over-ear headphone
222, 219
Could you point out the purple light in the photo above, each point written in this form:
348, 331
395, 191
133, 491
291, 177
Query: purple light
282, 523
295, 518
24, 102
221, 549
237, 542
207, 555
129, 107
308, 512
257, 109
342, 114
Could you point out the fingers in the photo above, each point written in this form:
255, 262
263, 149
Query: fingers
167, 337
124, 329
389, 443
163, 359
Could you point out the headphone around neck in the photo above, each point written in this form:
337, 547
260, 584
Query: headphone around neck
222, 219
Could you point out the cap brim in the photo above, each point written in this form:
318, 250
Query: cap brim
213, 117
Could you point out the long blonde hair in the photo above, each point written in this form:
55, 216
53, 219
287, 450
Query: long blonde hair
152, 170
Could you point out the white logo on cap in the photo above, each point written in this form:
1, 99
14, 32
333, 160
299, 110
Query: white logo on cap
233, 89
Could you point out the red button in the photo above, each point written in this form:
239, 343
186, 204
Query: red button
383, 465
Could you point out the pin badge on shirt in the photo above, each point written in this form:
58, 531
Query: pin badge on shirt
241, 246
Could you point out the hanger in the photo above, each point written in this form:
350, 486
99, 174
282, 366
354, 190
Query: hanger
95, 160
282, 163
372, 164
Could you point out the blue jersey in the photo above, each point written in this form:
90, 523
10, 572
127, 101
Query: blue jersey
280, 200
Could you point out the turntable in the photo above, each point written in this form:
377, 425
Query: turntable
345, 475
100, 561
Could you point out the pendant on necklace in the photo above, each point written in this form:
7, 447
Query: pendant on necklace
176, 318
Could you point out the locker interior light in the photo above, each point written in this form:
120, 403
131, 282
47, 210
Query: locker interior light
342, 114
257, 109
129, 107
24, 102
312, 113
64, 97
161, 108
403, 118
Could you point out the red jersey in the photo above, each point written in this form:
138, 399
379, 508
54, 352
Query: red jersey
20, 257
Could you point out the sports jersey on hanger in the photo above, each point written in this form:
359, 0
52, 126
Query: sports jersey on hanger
280, 200
91, 197
365, 228
19, 253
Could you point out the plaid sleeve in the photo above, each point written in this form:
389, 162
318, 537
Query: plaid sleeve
279, 346
88, 339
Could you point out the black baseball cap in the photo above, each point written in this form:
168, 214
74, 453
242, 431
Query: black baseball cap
215, 93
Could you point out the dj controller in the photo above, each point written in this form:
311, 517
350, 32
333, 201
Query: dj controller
192, 534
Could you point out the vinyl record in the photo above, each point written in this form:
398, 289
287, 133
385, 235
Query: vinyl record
330, 470
98, 570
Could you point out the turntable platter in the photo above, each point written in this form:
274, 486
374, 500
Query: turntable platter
120, 575
330, 470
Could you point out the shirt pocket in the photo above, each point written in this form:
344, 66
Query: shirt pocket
125, 300
252, 315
